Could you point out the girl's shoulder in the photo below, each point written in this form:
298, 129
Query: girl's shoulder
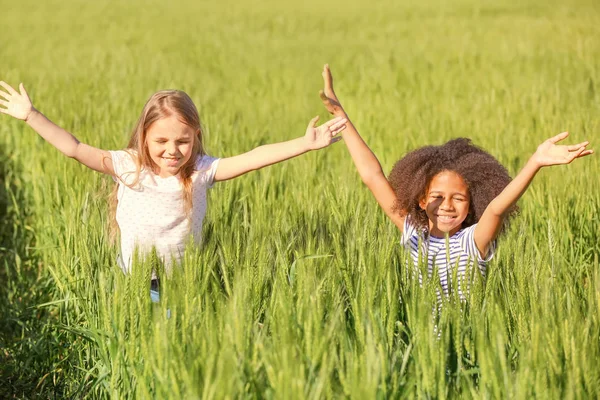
206, 168
412, 231
466, 238
205, 163
124, 161
465, 232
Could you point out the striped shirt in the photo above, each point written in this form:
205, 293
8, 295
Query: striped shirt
446, 255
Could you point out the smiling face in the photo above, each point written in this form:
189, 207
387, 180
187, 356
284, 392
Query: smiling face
446, 203
170, 144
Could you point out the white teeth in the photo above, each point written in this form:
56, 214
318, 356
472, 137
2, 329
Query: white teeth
170, 161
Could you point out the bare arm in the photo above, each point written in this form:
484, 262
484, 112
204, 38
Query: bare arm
366, 162
262, 156
547, 154
18, 105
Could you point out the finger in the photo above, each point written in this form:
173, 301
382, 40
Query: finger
339, 124
5, 95
22, 90
326, 72
4, 103
575, 154
313, 122
336, 139
327, 78
577, 146
3, 111
8, 88
580, 153
334, 121
323, 97
559, 137
337, 130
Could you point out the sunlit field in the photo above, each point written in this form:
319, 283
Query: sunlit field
300, 289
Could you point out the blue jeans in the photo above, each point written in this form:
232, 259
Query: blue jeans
154, 287
155, 295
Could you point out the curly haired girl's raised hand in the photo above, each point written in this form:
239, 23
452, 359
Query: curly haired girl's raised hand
364, 159
330, 100
549, 153
16, 104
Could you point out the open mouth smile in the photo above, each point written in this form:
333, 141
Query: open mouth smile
171, 160
445, 218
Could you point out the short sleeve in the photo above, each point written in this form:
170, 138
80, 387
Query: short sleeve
408, 231
207, 168
467, 242
123, 165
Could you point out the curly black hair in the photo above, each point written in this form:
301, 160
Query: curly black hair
483, 174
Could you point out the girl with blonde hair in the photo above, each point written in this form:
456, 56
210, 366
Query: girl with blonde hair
163, 174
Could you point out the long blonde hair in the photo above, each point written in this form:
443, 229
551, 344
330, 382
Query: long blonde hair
162, 104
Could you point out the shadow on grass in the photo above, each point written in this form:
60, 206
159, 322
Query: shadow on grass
30, 350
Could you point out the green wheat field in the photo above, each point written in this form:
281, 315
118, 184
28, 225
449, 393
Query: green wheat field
300, 289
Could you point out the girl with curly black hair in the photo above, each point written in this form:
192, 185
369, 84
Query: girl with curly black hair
450, 201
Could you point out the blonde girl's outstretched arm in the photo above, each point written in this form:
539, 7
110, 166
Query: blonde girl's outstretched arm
18, 105
547, 154
366, 162
262, 156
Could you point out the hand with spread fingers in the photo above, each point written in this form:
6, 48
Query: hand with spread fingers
318, 137
330, 100
315, 138
16, 104
550, 153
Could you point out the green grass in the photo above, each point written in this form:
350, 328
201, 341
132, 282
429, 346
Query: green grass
300, 289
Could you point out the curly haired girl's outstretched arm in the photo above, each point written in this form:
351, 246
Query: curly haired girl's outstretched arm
18, 105
366, 162
547, 154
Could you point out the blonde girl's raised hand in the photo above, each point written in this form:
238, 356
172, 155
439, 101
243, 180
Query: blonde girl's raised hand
315, 138
547, 154
16, 104
318, 137
19, 105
